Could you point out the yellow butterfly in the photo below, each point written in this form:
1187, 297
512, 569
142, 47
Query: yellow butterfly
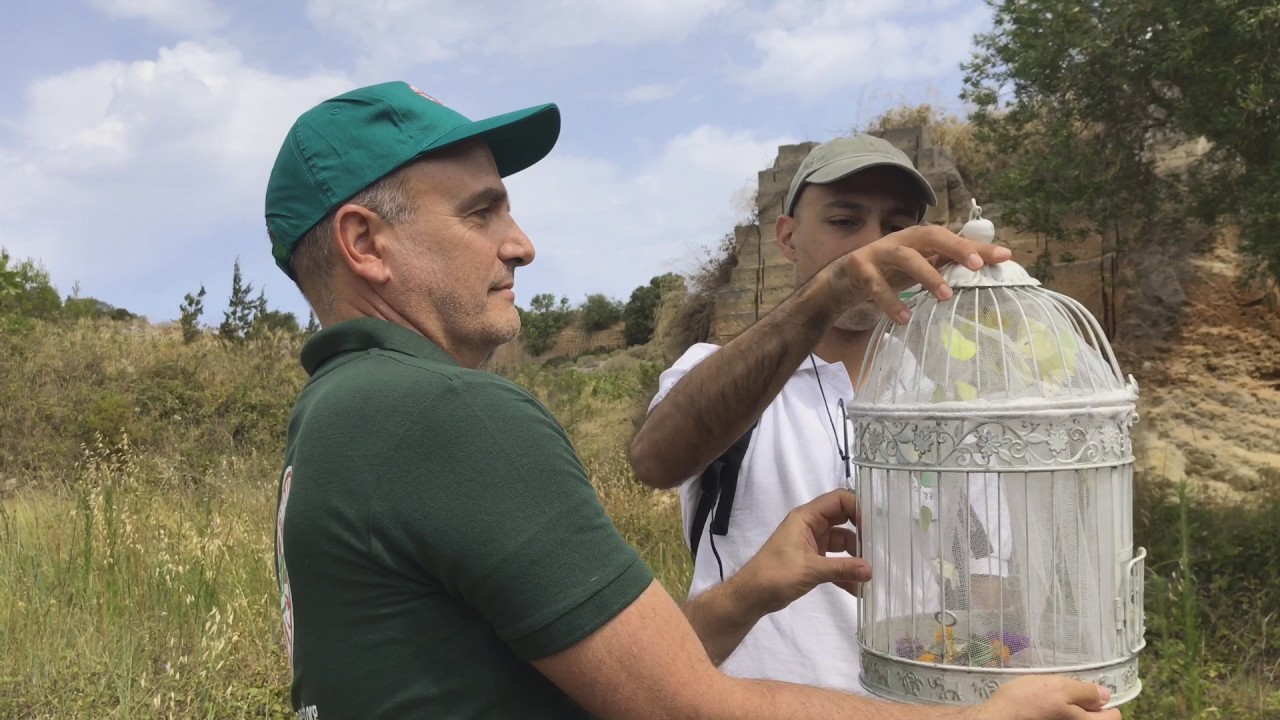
1054, 352
1038, 354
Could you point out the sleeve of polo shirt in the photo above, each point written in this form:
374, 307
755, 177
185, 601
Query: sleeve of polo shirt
493, 502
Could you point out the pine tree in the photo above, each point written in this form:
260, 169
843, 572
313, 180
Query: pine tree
259, 318
192, 308
237, 320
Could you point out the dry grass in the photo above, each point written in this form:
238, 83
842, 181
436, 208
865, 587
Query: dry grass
130, 595
136, 579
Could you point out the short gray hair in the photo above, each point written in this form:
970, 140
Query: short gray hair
314, 256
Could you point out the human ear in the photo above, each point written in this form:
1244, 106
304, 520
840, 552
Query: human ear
785, 229
360, 235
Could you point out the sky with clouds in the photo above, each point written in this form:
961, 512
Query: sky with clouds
136, 136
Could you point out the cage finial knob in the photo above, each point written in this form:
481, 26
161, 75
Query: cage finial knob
978, 229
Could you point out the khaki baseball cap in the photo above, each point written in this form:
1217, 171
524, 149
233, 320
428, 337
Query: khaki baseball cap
842, 157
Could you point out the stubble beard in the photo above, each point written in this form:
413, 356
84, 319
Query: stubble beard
478, 323
505, 330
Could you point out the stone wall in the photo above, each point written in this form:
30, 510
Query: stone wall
569, 343
763, 277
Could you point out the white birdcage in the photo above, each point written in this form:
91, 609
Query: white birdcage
995, 475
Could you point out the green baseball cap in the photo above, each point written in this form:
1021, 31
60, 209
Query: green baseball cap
842, 157
346, 143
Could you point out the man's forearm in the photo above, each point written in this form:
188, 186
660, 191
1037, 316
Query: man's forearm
721, 617
720, 397
783, 701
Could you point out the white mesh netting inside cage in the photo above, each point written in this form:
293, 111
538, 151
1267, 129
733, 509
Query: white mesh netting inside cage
994, 469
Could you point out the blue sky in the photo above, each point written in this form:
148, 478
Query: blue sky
136, 136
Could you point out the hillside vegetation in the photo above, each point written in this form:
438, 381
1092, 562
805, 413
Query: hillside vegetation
135, 535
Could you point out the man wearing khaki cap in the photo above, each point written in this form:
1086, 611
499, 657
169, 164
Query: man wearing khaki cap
440, 552
757, 427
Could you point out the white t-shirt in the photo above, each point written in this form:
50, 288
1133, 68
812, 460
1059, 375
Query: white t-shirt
792, 458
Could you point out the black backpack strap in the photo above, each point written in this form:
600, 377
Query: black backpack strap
717, 487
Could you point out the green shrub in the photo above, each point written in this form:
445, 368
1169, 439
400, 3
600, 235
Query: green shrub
111, 419
641, 311
543, 321
598, 313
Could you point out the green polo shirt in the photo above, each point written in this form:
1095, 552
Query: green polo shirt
435, 533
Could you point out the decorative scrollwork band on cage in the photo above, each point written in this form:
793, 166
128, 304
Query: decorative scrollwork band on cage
1018, 443
944, 685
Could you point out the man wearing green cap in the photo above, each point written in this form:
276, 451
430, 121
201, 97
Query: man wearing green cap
440, 552
757, 427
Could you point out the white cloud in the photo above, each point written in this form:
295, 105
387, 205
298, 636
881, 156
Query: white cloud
649, 93
399, 33
809, 48
813, 48
600, 227
186, 17
149, 176
142, 179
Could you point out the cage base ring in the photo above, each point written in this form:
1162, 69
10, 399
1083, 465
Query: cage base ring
920, 683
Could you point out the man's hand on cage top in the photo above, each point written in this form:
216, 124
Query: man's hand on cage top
878, 270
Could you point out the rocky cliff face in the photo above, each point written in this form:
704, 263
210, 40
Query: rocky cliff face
1206, 354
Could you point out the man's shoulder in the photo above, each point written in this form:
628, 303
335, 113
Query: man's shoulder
695, 353
395, 381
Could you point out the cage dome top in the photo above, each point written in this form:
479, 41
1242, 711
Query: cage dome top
1002, 339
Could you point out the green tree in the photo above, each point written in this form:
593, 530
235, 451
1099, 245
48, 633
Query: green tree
75, 307
190, 310
257, 314
276, 321
544, 319
641, 311
1075, 96
313, 325
263, 320
25, 290
9, 282
237, 320
599, 312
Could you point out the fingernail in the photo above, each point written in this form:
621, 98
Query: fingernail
1103, 694
1003, 252
973, 261
944, 292
903, 315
